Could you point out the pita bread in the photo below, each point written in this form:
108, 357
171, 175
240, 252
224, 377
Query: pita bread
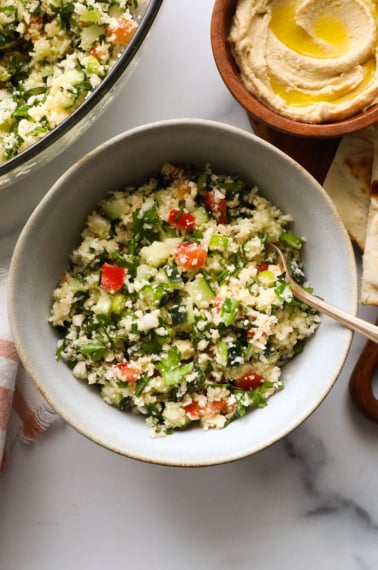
369, 277
348, 181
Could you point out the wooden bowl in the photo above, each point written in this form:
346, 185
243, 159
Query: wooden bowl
319, 141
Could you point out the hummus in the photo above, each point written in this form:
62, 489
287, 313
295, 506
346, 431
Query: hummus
311, 60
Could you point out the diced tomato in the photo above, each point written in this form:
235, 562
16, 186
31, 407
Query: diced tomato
217, 206
129, 371
215, 407
112, 277
192, 410
262, 266
124, 31
190, 255
249, 381
217, 303
182, 220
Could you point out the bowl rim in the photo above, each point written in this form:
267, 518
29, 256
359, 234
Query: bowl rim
148, 17
222, 13
60, 187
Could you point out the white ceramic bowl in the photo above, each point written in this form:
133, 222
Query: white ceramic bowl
84, 116
42, 252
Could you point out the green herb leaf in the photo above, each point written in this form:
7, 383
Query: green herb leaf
171, 368
95, 350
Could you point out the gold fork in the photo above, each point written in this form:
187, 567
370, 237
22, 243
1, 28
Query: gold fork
350, 321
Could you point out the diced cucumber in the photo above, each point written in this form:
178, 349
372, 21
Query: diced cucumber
218, 242
230, 353
118, 303
266, 278
229, 311
115, 10
145, 272
103, 305
291, 239
163, 278
74, 76
154, 295
116, 207
158, 252
75, 285
90, 15
200, 291
182, 315
91, 34
252, 247
201, 216
92, 66
174, 415
221, 349
67, 99
98, 225
173, 274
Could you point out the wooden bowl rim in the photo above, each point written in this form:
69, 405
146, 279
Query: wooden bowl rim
223, 11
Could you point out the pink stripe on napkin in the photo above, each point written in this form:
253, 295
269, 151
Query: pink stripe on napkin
24, 413
8, 349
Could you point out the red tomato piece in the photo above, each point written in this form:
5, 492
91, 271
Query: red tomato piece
190, 255
262, 266
112, 277
215, 407
182, 220
217, 206
129, 371
249, 381
192, 410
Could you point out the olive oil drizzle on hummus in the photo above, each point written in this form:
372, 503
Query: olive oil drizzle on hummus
328, 37
311, 60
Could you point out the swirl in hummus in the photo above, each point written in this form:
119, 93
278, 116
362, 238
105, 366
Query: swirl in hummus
312, 60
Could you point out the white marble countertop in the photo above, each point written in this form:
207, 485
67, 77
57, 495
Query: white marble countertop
309, 501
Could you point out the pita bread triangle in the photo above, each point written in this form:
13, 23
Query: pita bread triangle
348, 181
369, 277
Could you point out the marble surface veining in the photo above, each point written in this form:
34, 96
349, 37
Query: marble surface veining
308, 502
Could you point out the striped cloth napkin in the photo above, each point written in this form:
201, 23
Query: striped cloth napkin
24, 413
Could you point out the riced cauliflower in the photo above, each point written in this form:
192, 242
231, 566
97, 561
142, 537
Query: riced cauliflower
174, 304
53, 53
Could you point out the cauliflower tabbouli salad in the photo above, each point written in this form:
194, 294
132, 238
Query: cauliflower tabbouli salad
174, 304
53, 53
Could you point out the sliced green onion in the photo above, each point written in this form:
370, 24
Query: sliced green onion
229, 311
291, 239
218, 242
266, 278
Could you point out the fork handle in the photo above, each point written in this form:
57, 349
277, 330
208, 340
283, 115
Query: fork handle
360, 382
355, 323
